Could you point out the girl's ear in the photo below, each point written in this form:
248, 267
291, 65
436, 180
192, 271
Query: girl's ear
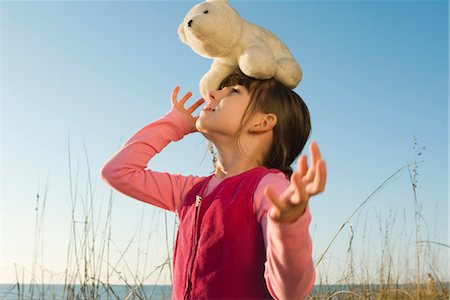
263, 122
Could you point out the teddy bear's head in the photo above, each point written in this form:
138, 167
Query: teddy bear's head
211, 28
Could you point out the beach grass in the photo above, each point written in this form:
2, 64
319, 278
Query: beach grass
97, 265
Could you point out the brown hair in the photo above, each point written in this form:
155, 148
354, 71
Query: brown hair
293, 126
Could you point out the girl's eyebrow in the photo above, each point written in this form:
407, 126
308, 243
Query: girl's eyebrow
233, 86
236, 86
242, 88
239, 86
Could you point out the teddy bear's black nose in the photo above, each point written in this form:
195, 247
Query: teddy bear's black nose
190, 23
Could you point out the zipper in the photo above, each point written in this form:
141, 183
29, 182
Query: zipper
198, 201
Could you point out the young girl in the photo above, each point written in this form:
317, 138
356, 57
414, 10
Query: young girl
243, 230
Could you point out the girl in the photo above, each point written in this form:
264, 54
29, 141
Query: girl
243, 230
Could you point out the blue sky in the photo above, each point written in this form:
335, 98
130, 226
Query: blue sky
94, 72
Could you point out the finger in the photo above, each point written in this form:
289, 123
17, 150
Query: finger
300, 192
175, 95
185, 98
309, 177
302, 165
315, 153
315, 157
275, 209
320, 179
322, 174
310, 172
272, 197
194, 106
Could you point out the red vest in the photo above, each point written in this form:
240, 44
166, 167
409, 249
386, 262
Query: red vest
219, 251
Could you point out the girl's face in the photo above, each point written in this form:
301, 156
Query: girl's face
223, 111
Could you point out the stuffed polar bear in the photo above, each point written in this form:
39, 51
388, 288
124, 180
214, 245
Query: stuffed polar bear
213, 29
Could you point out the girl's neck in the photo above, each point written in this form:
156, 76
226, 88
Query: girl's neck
222, 172
232, 161
238, 156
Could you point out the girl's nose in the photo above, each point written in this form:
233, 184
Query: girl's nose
212, 95
215, 95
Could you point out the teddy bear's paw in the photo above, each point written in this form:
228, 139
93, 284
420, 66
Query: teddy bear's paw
288, 72
203, 90
205, 85
213, 78
258, 63
209, 82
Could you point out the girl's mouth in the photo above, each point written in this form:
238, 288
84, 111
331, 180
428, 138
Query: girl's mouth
207, 108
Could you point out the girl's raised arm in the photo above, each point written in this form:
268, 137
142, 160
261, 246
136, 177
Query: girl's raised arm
126, 170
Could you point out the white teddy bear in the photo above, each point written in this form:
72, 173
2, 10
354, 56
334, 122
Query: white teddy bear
213, 29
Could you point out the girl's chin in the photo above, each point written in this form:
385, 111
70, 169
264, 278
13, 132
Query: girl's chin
203, 129
200, 127
201, 124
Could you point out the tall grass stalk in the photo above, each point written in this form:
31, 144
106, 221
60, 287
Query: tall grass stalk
347, 221
413, 175
389, 276
90, 245
94, 259
38, 244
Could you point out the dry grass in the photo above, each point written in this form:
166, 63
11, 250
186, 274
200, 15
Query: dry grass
94, 259
391, 271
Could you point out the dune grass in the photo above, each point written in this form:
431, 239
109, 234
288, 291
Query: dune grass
96, 263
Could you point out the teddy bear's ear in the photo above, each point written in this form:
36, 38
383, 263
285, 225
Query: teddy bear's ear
181, 33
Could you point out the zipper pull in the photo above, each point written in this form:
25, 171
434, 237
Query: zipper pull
198, 199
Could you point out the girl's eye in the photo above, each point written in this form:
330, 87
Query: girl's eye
234, 90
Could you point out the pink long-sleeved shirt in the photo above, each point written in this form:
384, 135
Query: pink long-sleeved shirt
289, 270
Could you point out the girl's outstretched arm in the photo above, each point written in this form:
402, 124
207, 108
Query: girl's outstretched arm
289, 269
126, 170
285, 221
305, 182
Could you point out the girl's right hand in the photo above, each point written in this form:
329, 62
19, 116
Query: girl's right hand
179, 105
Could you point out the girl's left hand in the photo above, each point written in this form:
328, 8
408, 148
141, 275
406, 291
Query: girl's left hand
306, 182
179, 105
